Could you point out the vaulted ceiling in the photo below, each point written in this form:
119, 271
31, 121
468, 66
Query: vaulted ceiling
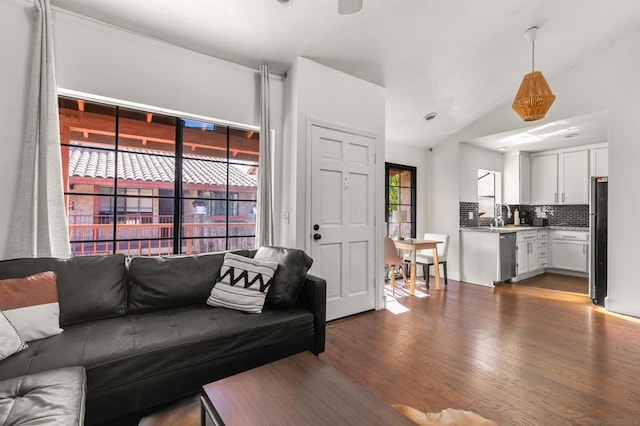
459, 58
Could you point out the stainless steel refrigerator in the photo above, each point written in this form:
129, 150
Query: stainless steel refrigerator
598, 240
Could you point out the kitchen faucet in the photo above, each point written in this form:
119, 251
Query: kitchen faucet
497, 217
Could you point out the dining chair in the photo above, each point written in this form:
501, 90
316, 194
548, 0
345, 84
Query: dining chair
425, 257
392, 259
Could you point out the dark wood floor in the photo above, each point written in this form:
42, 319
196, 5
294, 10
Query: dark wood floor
558, 282
516, 354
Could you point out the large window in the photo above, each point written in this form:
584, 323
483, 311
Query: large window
142, 183
400, 197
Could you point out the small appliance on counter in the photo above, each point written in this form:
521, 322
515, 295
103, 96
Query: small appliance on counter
539, 221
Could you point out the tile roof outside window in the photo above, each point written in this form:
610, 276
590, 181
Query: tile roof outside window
138, 165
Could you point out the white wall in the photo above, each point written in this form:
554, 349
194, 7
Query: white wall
102, 60
606, 81
471, 159
418, 158
314, 91
15, 19
443, 216
453, 178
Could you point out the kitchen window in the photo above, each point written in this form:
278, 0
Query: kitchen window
486, 193
142, 183
400, 191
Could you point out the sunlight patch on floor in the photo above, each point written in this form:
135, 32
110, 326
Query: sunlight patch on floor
393, 302
544, 293
395, 307
402, 290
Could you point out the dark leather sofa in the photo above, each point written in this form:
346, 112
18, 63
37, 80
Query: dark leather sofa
144, 334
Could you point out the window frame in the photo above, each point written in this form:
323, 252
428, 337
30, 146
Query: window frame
388, 168
494, 197
120, 197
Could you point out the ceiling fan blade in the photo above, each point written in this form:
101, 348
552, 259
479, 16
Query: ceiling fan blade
346, 7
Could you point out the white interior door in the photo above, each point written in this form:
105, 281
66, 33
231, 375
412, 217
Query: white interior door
342, 218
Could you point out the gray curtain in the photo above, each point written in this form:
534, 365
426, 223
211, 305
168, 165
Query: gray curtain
264, 219
39, 225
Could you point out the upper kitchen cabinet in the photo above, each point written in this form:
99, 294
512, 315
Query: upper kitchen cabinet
574, 177
600, 161
561, 178
516, 178
544, 179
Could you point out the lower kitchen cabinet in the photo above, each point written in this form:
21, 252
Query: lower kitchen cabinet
480, 257
543, 249
527, 257
569, 255
570, 250
527, 252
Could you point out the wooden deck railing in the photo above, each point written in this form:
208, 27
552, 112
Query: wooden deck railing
151, 239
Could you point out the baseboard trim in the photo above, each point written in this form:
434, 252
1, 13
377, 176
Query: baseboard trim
621, 308
526, 275
566, 272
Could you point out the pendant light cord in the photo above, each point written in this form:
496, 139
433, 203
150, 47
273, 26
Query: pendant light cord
533, 55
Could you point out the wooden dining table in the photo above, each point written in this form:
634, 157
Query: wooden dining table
413, 245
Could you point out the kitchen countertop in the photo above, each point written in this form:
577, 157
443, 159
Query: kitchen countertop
513, 228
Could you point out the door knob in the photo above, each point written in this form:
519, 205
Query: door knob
317, 236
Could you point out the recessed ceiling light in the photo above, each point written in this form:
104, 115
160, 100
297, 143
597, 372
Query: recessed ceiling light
572, 135
502, 148
430, 116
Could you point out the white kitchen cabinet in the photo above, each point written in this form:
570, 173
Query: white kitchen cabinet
527, 252
480, 257
543, 249
574, 177
600, 161
570, 250
561, 178
544, 179
527, 257
522, 258
516, 178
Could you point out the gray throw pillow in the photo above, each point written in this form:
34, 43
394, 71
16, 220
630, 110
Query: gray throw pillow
290, 276
10, 340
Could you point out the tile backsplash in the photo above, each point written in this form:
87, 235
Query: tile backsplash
465, 208
557, 215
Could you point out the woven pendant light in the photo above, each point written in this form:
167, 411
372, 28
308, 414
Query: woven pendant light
534, 98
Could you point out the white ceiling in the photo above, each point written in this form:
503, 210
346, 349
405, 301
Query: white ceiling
574, 131
461, 58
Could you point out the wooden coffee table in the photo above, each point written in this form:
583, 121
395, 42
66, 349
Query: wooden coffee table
299, 390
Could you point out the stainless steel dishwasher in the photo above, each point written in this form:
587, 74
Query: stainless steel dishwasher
507, 256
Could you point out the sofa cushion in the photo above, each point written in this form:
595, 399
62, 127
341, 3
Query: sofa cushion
289, 277
49, 398
163, 282
128, 349
89, 287
31, 304
242, 284
10, 341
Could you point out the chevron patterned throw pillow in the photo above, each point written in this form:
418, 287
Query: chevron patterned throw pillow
242, 284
